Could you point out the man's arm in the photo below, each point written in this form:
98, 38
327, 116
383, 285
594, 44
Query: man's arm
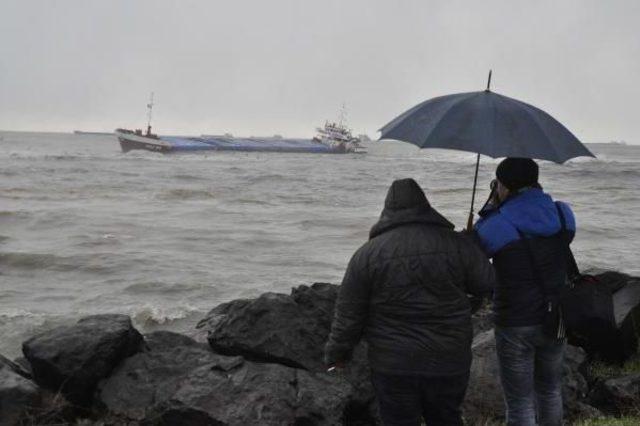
350, 313
480, 275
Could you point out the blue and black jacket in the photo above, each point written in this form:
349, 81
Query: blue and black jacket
519, 297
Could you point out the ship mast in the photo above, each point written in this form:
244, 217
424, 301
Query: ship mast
343, 115
149, 114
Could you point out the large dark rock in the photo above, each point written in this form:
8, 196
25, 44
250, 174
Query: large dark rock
72, 359
287, 329
185, 383
18, 395
485, 400
290, 330
617, 395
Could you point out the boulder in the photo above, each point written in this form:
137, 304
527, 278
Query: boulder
18, 395
575, 386
72, 359
286, 329
185, 383
626, 310
617, 395
15, 367
484, 398
290, 330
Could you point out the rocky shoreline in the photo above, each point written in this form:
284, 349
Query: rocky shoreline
259, 362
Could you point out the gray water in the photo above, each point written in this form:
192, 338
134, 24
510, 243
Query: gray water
87, 229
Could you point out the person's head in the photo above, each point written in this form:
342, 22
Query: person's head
406, 194
514, 174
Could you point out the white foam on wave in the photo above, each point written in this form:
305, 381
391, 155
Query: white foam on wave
150, 314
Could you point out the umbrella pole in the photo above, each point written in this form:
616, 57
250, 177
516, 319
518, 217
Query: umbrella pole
473, 195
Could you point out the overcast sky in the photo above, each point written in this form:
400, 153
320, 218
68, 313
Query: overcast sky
283, 66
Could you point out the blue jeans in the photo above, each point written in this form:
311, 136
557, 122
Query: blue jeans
531, 375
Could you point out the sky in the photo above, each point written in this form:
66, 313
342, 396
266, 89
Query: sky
284, 66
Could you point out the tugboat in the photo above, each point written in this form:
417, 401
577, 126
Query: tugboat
332, 139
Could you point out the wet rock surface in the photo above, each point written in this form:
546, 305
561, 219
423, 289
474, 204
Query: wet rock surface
290, 330
18, 394
617, 395
185, 383
484, 397
260, 364
72, 359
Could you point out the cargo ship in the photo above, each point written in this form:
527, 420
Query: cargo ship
324, 143
333, 138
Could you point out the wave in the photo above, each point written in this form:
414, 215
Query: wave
150, 315
45, 261
156, 287
9, 214
185, 194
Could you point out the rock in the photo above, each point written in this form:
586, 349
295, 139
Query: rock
15, 367
72, 359
574, 385
18, 395
188, 384
580, 411
290, 330
613, 280
626, 310
485, 400
286, 329
482, 319
160, 340
618, 395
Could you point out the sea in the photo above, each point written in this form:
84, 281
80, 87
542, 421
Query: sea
86, 229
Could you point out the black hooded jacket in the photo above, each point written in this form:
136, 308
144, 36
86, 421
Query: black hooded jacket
405, 291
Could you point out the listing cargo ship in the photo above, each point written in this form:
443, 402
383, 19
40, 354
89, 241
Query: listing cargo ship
333, 138
330, 141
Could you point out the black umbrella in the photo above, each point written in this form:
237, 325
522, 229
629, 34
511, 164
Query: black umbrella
485, 123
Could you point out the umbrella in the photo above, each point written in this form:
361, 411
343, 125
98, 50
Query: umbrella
485, 123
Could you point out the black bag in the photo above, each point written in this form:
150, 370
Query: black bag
583, 309
586, 304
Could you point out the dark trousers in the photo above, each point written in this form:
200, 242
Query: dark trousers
405, 400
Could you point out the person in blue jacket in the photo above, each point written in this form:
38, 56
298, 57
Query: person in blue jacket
521, 230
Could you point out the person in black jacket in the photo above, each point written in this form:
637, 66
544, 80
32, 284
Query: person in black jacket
522, 231
405, 292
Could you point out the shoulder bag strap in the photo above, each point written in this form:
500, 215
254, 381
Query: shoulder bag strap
572, 265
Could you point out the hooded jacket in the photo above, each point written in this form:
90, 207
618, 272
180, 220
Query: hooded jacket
405, 291
520, 298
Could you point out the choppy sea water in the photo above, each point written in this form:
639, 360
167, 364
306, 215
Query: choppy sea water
87, 229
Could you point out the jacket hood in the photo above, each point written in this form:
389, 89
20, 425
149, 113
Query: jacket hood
406, 204
533, 212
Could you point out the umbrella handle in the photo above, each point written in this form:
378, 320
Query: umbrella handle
473, 195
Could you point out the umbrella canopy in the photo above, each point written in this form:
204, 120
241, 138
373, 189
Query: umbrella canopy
486, 123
